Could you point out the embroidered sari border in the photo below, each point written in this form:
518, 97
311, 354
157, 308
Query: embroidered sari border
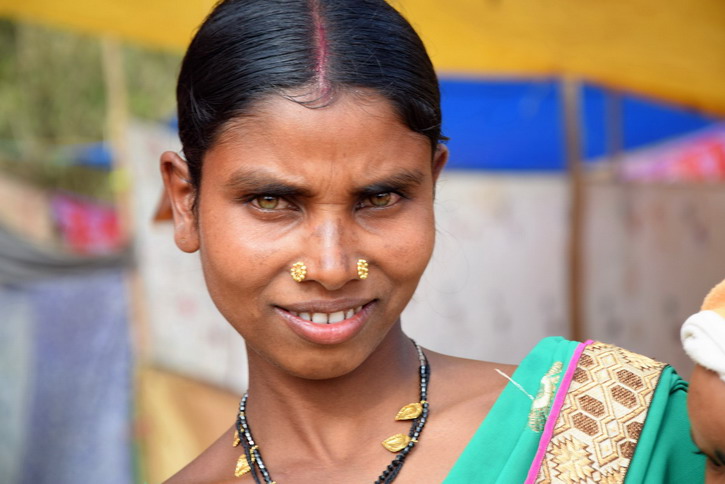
548, 432
598, 427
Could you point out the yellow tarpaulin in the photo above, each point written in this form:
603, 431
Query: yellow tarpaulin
673, 50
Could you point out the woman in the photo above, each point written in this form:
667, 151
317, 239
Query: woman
312, 143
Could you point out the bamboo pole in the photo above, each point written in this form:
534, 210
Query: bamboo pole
571, 99
117, 122
615, 131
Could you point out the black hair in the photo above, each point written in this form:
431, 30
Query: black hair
248, 49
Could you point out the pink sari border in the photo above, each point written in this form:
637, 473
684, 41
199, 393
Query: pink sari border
548, 432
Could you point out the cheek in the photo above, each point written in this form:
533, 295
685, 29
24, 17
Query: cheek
235, 262
410, 246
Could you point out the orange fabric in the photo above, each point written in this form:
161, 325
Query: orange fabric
715, 300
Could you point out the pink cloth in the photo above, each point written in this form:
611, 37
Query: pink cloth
554, 412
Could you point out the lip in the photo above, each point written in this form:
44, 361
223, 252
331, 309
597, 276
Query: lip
327, 334
325, 306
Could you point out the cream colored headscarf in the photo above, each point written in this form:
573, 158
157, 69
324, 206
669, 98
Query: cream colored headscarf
703, 334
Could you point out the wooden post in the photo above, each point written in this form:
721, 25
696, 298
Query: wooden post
117, 121
615, 131
571, 99
117, 131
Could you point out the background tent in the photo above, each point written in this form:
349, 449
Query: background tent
638, 46
673, 51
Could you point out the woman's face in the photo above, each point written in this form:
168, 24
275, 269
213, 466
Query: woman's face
324, 187
705, 402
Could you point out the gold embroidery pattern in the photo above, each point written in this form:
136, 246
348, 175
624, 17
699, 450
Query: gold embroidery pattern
602, 417
542, 403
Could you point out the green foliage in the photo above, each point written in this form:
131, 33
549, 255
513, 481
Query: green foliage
58, 88
52, 87
151, 81
8, 75
53, 94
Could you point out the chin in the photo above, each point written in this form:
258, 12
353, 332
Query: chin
321, 362
322, 368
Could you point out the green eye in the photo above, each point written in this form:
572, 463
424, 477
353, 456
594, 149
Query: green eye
381, 199
267, 202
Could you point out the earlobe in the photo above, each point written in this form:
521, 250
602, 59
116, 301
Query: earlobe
181, 195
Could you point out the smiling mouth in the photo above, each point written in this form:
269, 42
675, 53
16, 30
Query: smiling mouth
328, 322
327, 318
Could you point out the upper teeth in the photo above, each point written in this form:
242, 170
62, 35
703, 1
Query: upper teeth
328, 318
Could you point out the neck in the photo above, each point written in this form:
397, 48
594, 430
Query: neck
283, 404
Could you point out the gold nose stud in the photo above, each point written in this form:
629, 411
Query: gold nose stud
362, 268
298, 271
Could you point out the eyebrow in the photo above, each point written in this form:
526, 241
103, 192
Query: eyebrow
398, 182
254, 181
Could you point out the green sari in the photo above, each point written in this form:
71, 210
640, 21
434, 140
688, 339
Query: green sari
584, 412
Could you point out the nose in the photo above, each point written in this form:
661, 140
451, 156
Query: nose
332, 247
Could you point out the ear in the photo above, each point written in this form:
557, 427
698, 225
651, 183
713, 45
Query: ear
181, 194
440, 158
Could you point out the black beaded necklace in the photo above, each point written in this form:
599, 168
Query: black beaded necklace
251, 459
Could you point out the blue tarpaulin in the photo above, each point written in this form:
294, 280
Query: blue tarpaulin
517, 125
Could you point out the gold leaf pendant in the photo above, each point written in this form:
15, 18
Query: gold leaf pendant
236, 438
396, 443
243, 466
410, 411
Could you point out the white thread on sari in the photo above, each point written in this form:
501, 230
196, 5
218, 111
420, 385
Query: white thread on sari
516, 384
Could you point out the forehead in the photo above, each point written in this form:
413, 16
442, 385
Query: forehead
359, 126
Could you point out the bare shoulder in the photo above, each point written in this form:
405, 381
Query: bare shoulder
466, 379
212, 466
463, 390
